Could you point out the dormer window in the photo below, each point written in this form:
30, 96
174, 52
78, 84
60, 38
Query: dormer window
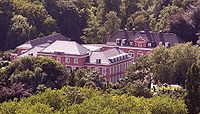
24, 51
160, 43
98, 61
30, 54
149, 44
167, 44
131, 43
131, 53
123, 42
118, 41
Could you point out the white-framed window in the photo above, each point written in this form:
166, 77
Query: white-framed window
140, 54
58, 59
149, 44
115, 68
121, 67
131, 53
140, 45
75, 60
113, 79
67, 60
131, 43
97, 69
111, 70
148, 53
110, 79
125, 66
118, 69
104, 71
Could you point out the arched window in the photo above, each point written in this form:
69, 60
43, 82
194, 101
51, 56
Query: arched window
140, 54
148, 53
131, 53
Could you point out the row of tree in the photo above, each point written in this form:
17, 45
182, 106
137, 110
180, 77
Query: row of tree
92, 21
73, 100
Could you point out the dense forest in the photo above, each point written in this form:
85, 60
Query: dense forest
92, 21
33, 85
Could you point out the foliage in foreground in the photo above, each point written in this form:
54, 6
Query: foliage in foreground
89, 101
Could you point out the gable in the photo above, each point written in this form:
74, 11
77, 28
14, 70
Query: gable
140, 40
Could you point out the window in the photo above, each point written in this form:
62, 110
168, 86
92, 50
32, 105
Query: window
148, 53
115, 68
67, 60
149, 44
131, 43
140, 54
131, 53
113, 79
118, 68
111, 71
59, 59
76, 60
97, 69
110, 79
167, 44
160, 43
140, 45
104, 71
125, 67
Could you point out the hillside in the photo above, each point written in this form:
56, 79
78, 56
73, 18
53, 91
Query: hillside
91, 21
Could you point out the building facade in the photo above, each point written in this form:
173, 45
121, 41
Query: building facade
140, 43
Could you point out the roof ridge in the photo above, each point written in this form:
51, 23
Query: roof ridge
79, 45
45, 36
113, 35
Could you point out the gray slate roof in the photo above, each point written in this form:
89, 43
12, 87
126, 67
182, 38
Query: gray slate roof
67, 47
34, 51
50, 38
37, 45
44, 40
105, 55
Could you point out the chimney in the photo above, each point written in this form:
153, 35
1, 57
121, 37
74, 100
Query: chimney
126, 33
134, 30
146, 25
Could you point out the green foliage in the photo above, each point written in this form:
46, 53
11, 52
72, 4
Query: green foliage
112, 23
6, 9
34, 71
193, 88
39, 17
67, 16
92, 21
79, 100
20, 32
136, 89
166, 65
